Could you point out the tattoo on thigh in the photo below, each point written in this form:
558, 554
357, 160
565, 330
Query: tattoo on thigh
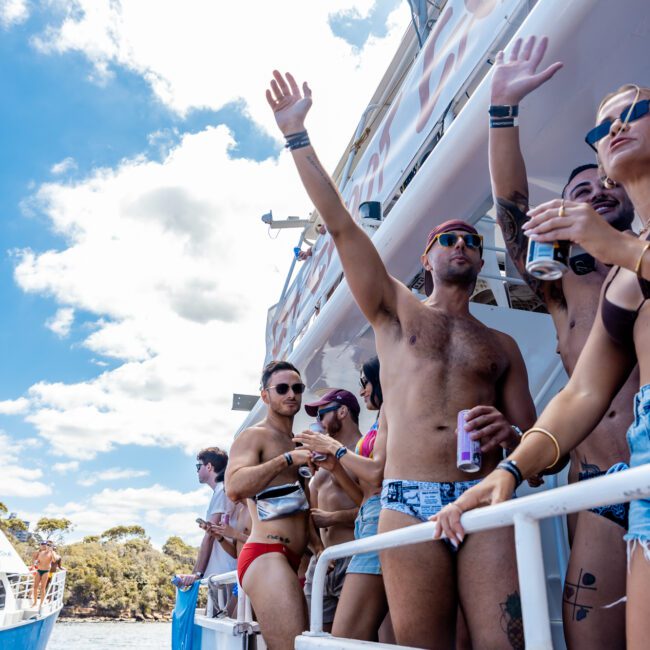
278, 538
585, 582
511, 621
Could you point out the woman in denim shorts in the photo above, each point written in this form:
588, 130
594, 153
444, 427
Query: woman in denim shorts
619, 339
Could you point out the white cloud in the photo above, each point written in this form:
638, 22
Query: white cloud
13, 12
61, 322
64, 468
111, 474
66, 165
14, 406
161, 511
170, 256
18, 478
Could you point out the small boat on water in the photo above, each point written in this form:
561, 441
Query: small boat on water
23, 627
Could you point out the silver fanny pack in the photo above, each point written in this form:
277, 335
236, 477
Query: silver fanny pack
281, 501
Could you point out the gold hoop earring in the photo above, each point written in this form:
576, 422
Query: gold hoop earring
608, 183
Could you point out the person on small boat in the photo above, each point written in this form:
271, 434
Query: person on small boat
333, 507
617, 342
42, 560
436, 360
597, 546
362, 605
263, 468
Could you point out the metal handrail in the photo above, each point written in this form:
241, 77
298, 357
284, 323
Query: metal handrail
524, 514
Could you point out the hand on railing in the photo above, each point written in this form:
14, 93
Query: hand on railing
496, 487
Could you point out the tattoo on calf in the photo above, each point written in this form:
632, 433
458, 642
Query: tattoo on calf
511, 621
278, 538
585, 582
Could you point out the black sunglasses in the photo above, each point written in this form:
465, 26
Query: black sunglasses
199, 466
283, 389
449, 239
630, 113
363, 381
322, 412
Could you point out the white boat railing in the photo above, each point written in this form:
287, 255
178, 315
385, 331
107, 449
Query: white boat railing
525, 514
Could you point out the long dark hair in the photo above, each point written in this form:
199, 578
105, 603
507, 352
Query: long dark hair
371, 373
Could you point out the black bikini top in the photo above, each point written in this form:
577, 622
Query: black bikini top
618, 321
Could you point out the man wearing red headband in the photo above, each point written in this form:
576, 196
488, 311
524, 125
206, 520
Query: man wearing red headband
436, 360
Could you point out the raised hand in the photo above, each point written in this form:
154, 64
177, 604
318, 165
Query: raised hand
289, 105
512, 80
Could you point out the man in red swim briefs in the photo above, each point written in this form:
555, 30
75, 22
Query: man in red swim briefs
263, 469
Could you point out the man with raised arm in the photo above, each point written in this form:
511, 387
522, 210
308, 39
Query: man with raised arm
263, 468
436, 360
333, 509
597, 551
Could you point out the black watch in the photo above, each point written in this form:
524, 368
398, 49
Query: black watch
501, 110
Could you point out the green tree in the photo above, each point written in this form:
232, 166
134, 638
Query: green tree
118, 533
177, 549
52, 528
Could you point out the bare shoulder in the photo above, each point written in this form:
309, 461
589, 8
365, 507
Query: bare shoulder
508, 344
251, 437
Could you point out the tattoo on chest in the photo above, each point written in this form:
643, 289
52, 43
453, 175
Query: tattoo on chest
511, 621
586, 582
279, 538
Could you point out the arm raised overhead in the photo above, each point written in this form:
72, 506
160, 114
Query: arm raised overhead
372, 287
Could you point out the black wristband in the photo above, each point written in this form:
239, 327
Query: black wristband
340, 452
297, 140
288, 458
510, 466
503, 122
503, 110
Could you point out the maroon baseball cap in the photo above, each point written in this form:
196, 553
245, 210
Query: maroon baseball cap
447, 226
344, 397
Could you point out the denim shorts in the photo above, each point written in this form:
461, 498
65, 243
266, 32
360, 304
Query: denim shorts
365, 525
638, 438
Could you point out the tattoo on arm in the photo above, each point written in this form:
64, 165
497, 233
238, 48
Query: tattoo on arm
322, 173
511, 621
278, 538
511, 216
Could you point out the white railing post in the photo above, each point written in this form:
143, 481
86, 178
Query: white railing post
532, 583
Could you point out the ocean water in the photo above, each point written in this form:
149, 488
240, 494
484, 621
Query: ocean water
109, 635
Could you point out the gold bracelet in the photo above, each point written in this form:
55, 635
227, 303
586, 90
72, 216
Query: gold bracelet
549, 435
637, 268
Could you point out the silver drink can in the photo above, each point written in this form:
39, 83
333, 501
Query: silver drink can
546, 260
317, 427
468, 451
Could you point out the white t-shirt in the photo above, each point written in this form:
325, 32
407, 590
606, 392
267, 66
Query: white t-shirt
220, 561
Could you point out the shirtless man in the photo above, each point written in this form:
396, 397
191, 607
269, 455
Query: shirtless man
333, 510
597, 548
42, 560
262, 457
436, 359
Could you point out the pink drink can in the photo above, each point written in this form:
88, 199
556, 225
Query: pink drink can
225, 519
468, 451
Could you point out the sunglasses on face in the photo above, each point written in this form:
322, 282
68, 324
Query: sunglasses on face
449, 239
630, 113
363, 381
283, 389
199, 466
322, 412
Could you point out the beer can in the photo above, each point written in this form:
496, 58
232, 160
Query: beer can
468, 451
546, 260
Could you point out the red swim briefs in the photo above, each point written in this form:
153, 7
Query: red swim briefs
253, 550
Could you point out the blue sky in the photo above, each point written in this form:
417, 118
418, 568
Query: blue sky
124, 129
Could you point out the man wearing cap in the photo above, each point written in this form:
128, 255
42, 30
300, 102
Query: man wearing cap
332, 508
436, 360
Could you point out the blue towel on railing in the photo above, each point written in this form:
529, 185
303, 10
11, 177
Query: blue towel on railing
183, 617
